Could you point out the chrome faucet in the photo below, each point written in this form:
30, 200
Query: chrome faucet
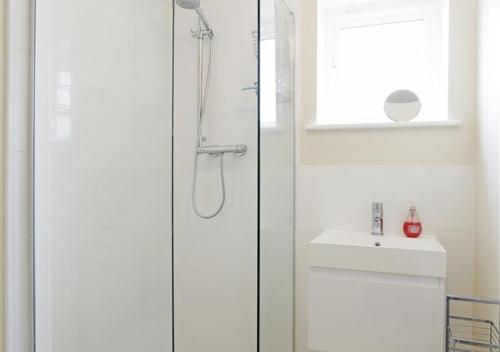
378, 219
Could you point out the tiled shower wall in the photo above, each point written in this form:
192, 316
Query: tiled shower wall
216, 260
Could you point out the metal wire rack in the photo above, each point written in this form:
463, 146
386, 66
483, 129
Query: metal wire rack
472, 334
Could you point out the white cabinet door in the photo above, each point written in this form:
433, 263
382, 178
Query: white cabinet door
353, 311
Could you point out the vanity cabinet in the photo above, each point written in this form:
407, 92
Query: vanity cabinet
360, 299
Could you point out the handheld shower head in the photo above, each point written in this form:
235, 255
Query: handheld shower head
194, 5
188, 4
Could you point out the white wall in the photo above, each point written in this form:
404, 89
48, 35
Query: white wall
341, 173
404, 146
103, 176
487, 249
339, 197
216, 260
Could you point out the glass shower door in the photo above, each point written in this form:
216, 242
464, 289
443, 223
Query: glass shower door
102, 179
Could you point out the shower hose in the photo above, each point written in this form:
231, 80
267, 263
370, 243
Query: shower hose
201, 115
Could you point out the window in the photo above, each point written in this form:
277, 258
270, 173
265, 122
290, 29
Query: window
369, 49
268, 83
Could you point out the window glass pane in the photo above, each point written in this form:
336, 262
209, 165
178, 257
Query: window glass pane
268, 82
372, 62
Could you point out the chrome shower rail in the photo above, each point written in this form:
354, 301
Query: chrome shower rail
472, 334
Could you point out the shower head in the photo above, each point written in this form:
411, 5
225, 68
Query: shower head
195, 5
188, 4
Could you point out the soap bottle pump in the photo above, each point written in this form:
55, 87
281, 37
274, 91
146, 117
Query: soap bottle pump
412, 226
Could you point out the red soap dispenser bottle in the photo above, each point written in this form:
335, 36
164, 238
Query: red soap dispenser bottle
412, 226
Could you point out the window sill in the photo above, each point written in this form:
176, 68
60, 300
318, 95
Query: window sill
383, 125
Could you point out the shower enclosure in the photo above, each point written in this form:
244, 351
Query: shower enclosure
163, 176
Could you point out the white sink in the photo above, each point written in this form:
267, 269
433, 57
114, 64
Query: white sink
392, 254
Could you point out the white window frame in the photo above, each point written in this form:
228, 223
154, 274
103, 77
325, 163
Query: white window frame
333, 15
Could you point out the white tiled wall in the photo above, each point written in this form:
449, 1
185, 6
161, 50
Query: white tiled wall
488, 234
216, 260
340, 197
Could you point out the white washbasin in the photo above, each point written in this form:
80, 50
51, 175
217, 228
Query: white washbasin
394, 254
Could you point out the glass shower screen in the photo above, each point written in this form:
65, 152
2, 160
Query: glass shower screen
277, 177
163, 176
103, 176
